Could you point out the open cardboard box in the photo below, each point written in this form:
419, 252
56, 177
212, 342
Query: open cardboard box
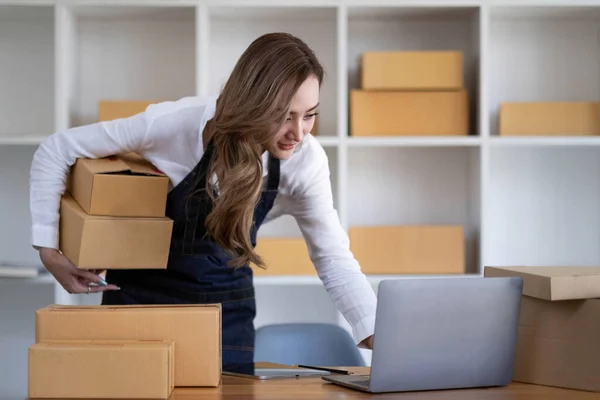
124, 185
559, 326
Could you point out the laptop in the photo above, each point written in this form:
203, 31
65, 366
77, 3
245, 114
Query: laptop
441, 333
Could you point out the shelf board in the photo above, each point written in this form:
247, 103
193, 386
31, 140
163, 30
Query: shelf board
394, 10
25, 274
273, 11
525, 10
414, 141
15, 140
294, 280
26, 12
141, 12
532, 141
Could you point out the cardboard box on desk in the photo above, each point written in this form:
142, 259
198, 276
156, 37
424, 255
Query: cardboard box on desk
559, 326
418, 249
102, 242
397, 113
412, 70
142, 369
124, 185
195, 329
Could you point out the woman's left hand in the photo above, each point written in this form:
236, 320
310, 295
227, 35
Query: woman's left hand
368, 342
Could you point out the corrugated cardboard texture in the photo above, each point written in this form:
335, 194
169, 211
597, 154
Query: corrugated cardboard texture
284, 256
409, 249
374, 113
114, 109
412, 70
119, 186
101, 369
554, 283
195, 329
559, 343
99, 242
556, 118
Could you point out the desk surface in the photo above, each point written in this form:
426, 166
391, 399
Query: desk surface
315, 388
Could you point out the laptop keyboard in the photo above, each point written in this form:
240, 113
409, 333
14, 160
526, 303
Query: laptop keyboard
362, 382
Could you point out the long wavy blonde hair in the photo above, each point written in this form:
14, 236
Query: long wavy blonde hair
250, 110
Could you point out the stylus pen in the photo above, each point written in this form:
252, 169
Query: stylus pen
334, 370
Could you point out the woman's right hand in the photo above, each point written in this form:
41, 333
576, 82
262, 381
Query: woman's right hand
74, 280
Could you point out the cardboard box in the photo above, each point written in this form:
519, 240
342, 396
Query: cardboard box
559, 329
100, 242
284, 256
102, 369
554, 283
195, 329
412, 70
409, 249
551, 118
114, 109
119, 186
374, 113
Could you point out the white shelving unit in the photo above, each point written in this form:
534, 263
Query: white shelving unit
522, 200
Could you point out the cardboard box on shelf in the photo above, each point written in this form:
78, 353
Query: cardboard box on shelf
115, 109
435, 249
549, 118
386, 113
559, 326
284, 256
124, 185
102, 369
195, 329
101, 242
412, 70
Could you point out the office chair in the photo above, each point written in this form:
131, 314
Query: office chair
316, 344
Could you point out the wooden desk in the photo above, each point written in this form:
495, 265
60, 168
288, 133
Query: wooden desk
315, 388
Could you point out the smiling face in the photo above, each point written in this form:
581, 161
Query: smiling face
299, 122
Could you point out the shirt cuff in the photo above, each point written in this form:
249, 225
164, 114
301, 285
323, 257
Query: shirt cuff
44, 236
363, 329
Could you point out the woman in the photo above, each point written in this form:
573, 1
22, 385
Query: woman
234, 162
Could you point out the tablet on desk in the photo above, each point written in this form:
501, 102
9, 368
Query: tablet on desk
264, 371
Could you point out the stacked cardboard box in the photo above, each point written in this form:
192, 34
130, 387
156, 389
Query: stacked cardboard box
124, 351
419, 249
559, 326
113, 214
549, 118
101, 369
410, 93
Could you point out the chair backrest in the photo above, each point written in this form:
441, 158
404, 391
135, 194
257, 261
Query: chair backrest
306, 343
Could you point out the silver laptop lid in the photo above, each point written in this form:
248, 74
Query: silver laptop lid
445, 333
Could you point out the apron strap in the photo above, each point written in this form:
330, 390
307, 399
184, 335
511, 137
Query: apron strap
273, 174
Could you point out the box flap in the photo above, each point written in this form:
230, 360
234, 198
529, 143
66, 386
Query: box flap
123, 163
554, 283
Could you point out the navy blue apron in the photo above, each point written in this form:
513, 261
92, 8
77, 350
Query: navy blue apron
197, 270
